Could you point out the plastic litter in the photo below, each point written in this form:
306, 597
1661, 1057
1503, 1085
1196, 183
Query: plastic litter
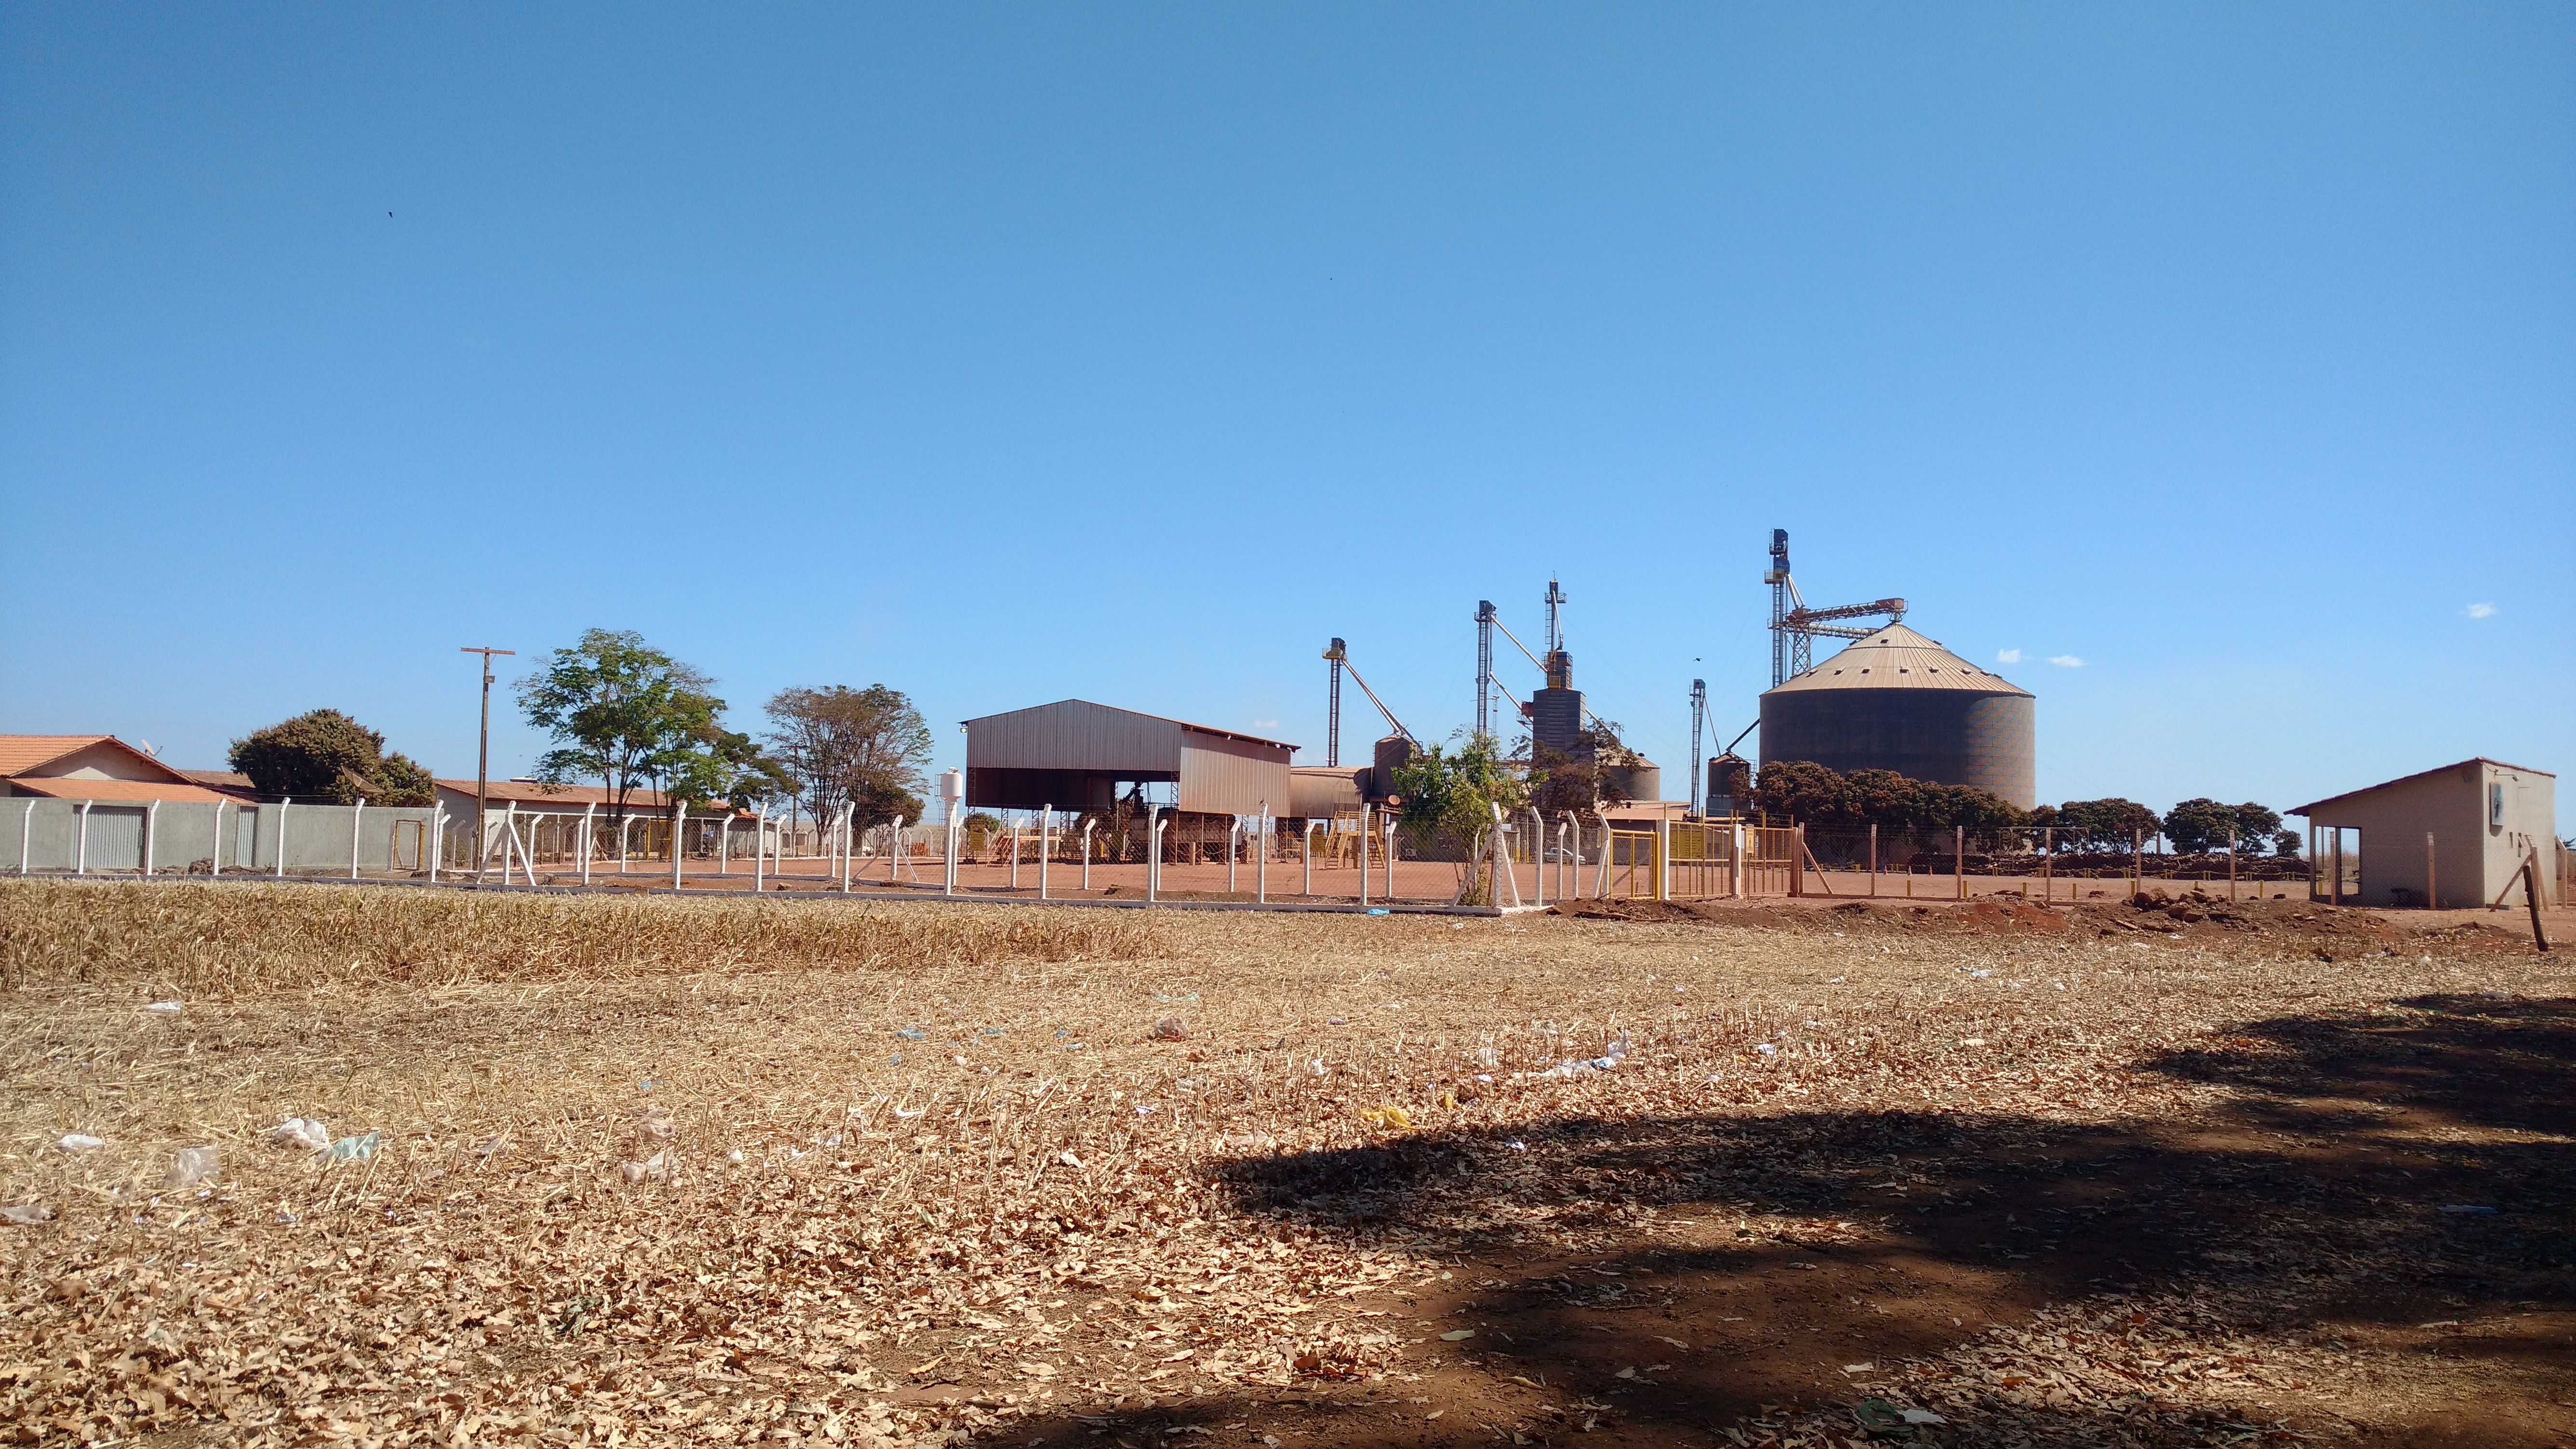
1766, 1048
27, 1215
1171, 1028
656, 1168
1068, 1159
1316, 1066
1488, 1058
912, 1033
1458, 1335
735, 1157
1517, 1145
164, 1008
354, 1149
1379, 911
656, 1127
80, 1142
195, 1165
305, 1132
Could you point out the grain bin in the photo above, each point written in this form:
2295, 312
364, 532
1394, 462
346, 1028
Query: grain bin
1899, 701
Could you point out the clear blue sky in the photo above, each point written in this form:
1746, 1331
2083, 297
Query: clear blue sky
1004, 354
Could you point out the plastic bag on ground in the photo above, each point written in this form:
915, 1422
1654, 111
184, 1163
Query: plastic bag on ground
656, 1168
165, 1008
27, 1215
79, 1142
1171, 1028
196, 1165
305, 1132
357, 1149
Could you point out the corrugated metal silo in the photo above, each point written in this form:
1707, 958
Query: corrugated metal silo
1898, 701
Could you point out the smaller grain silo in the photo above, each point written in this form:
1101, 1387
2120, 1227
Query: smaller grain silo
1899, 701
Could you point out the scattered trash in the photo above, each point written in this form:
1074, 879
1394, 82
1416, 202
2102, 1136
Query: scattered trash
1171, 1028
1975, 1041
2466, 1207
1144, 1111
1981, 973
27, 1215
305, 1132
914, 1033
1068, 1159
1458, 1335
1334, 1021
646, 1085
656, 1168
1374, 911
1517, 1145
1766, 1048
1488, 1058
1860, 1368
80, 1142
993, 1031
165, 1008
354, 1149
656, 1127
735, 1157
915, 1112
1923, 1416
1158, 996
1316, 1066
196, 1165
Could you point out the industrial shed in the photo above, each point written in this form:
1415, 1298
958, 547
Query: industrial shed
1076, 755
2450, 837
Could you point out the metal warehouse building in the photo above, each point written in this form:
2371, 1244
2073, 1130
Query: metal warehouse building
1898, 701
1076, 755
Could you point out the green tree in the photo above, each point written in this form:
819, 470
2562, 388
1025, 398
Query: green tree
323, 754
1803, 791
628, 715
2255, 824
2199, 824
865, 748
1457, 795
2107, 824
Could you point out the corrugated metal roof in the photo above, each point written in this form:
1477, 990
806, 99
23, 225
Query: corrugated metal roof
2418, 775
1898, 658
1062, 704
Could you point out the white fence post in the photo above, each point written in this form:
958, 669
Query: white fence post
1087, 827
282, 807
355, 811
26, 834
679, 824
437, 845
1261, 862
849, 835
1390, 860
1046, 836
1363, 842
759, 848
215, 857
151, 818
80, 857
1153, 852
589, 817
1307, 843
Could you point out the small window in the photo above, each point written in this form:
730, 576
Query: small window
2495, 805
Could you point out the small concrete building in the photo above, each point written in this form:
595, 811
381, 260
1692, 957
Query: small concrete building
1074, 755
2453, 837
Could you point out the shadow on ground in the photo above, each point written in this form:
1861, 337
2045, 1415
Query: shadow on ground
2313, 1203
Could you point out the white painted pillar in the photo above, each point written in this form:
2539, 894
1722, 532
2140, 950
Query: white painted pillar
1362, 841
1261, 856
759, 847
151, 820
510, 841
679, 825
1087, 827
356, 811
282, 807
1233, 834
1306, 843
1153, 851
1390, 859
849, 842
1046, 836
215, 857
589, 827
437, 836
80, 854
26, 834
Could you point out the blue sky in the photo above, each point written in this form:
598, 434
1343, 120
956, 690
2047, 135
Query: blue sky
1002, 354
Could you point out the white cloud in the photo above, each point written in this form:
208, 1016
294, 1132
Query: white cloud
2065, 661
2480, 611
2007, 656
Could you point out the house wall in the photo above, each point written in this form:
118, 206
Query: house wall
2530, 823
101, 761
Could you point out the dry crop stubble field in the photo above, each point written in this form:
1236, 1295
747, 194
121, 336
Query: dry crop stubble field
696, 1171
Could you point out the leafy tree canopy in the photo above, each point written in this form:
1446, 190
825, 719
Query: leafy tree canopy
1815, 795
627, 714
861, 747
323, 754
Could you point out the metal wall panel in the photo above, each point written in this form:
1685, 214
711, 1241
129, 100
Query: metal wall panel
1075, 734
1948, 736
1233, 777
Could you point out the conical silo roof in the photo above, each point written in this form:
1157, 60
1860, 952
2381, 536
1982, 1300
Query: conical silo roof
1898, 658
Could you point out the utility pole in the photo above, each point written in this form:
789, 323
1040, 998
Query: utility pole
1699, 722
483, 757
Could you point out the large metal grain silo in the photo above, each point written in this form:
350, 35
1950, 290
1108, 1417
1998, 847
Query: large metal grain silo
1898, 701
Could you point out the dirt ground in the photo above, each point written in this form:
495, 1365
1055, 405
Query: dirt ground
1816, 1173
